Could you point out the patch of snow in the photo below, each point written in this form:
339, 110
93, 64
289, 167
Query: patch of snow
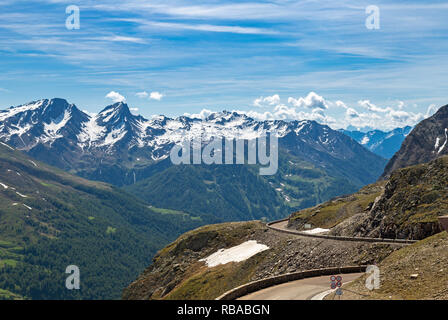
34, 163
235, 254
365, 140
52, 129
4, 185
15, 203
153, 157
22, 195
15, 110
316, 231
437, 143
444, 144
4, 144
20, 131
114, 136
91, 132
29, 208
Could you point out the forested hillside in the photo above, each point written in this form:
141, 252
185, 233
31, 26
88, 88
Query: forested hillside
50, 219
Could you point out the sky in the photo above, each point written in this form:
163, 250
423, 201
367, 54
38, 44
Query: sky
278, 59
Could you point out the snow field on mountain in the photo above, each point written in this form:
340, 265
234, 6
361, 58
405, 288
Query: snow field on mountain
235, 254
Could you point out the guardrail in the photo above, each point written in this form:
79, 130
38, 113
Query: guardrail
272, 281
341, 238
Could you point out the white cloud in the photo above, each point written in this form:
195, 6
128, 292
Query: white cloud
203, 27
118, 39
371, 107
115, 97
327, 112
143, 94
201, 115
271, 100
133, 109
351, 113
311, 101
156, 96
382, 120
341, 104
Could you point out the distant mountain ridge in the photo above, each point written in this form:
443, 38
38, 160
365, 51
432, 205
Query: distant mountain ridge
382, 143
61, 134
115, 146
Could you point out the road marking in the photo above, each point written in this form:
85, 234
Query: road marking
322, 295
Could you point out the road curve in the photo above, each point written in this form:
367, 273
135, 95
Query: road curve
281, 226
303, 289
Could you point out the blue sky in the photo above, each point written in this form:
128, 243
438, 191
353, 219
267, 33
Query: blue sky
272, 59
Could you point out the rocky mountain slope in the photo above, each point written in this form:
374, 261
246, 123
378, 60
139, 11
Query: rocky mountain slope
50, 219
417, 272
178, 271
329, 214
406, 206
384, 144
115, 146
426, 142
412, 200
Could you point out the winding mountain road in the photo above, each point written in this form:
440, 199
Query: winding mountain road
303, 289
282, 226
315, 288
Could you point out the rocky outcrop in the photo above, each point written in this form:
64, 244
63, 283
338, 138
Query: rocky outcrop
426, 142
409, 207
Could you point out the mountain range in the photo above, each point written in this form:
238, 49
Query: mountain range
129, 151
382, 143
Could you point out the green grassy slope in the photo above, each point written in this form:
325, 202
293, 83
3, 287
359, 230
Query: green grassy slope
50, 219
331, 213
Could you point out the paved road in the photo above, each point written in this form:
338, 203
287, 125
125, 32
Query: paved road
303, 289
281, 226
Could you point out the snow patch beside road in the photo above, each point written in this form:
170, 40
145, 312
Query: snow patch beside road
316, 231
235, 254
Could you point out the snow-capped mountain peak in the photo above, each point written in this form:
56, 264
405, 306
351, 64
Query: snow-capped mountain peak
109, 145
115, 130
